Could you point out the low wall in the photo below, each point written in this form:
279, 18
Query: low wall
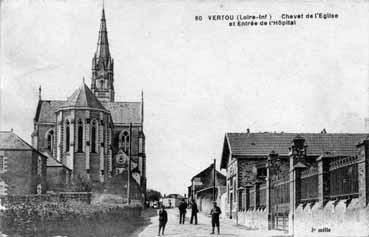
334, 219
257, 219
34, 199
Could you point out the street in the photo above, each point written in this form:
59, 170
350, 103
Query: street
227, 227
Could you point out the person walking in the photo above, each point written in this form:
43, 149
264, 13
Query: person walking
215, 213
194, 211
163, 219
182, 211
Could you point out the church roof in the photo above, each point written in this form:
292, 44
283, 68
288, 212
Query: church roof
83, 97
124, 112
46, 109
121, 112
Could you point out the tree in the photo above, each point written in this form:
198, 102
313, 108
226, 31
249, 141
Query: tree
153, 195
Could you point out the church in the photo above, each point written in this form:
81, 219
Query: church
90, 133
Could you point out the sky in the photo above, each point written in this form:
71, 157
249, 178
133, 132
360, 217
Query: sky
200, 79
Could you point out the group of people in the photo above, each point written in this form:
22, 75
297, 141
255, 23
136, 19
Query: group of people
215, 213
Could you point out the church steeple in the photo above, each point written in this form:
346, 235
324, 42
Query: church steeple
102, 66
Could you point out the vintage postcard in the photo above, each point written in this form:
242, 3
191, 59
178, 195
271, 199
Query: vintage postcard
184, 118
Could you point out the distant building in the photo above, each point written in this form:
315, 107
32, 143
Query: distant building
293, 182
202, 188
172, 200
90, 133
22, 168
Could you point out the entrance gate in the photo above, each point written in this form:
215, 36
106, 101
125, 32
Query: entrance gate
280, 201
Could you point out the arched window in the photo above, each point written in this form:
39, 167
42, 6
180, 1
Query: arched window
124, 141
50, 140
80, 137
93, 137
67, 136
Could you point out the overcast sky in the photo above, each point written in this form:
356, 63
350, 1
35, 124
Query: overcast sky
200, 79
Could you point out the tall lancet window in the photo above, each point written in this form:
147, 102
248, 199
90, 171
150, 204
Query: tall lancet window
50, 140
67, 136
124, 141
80, 136
93, 137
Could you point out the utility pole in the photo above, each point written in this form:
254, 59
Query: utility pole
129, 165
214, 176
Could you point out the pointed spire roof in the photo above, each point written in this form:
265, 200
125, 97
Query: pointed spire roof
83, 97
102, 52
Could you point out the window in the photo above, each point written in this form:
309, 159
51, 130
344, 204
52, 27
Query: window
80, 137
50, 140
39, 165
39, 189
124, 141
1, 163
93, 137
3, 188
67, 136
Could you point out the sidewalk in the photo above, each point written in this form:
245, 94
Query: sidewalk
227, 227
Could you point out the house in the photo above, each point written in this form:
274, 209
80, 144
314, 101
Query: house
172, 200
22, 168
204, 191
283, 180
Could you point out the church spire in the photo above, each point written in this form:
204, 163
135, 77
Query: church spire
102, 81
103, 52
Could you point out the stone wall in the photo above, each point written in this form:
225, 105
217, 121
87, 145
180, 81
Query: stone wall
334, 219
257, 219
21, 176
9, 201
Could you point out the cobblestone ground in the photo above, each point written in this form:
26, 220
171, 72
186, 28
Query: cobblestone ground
227, 228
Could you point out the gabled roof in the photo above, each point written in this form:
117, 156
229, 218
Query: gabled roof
207, 171
124, 112
261, 144
83, 97
10, 141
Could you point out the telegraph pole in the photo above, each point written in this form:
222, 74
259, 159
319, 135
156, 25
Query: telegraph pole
214, 175
129, 165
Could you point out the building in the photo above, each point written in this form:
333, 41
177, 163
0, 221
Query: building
172, 200
58, 175
304, 183
202, 188
90, 132
22, 168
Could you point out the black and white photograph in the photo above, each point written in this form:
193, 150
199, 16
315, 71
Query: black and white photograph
184, 118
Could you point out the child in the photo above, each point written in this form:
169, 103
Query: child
215, 213
163, 219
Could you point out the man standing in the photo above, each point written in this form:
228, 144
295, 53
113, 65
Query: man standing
163, 219
182, 211
215, 213
194, 211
